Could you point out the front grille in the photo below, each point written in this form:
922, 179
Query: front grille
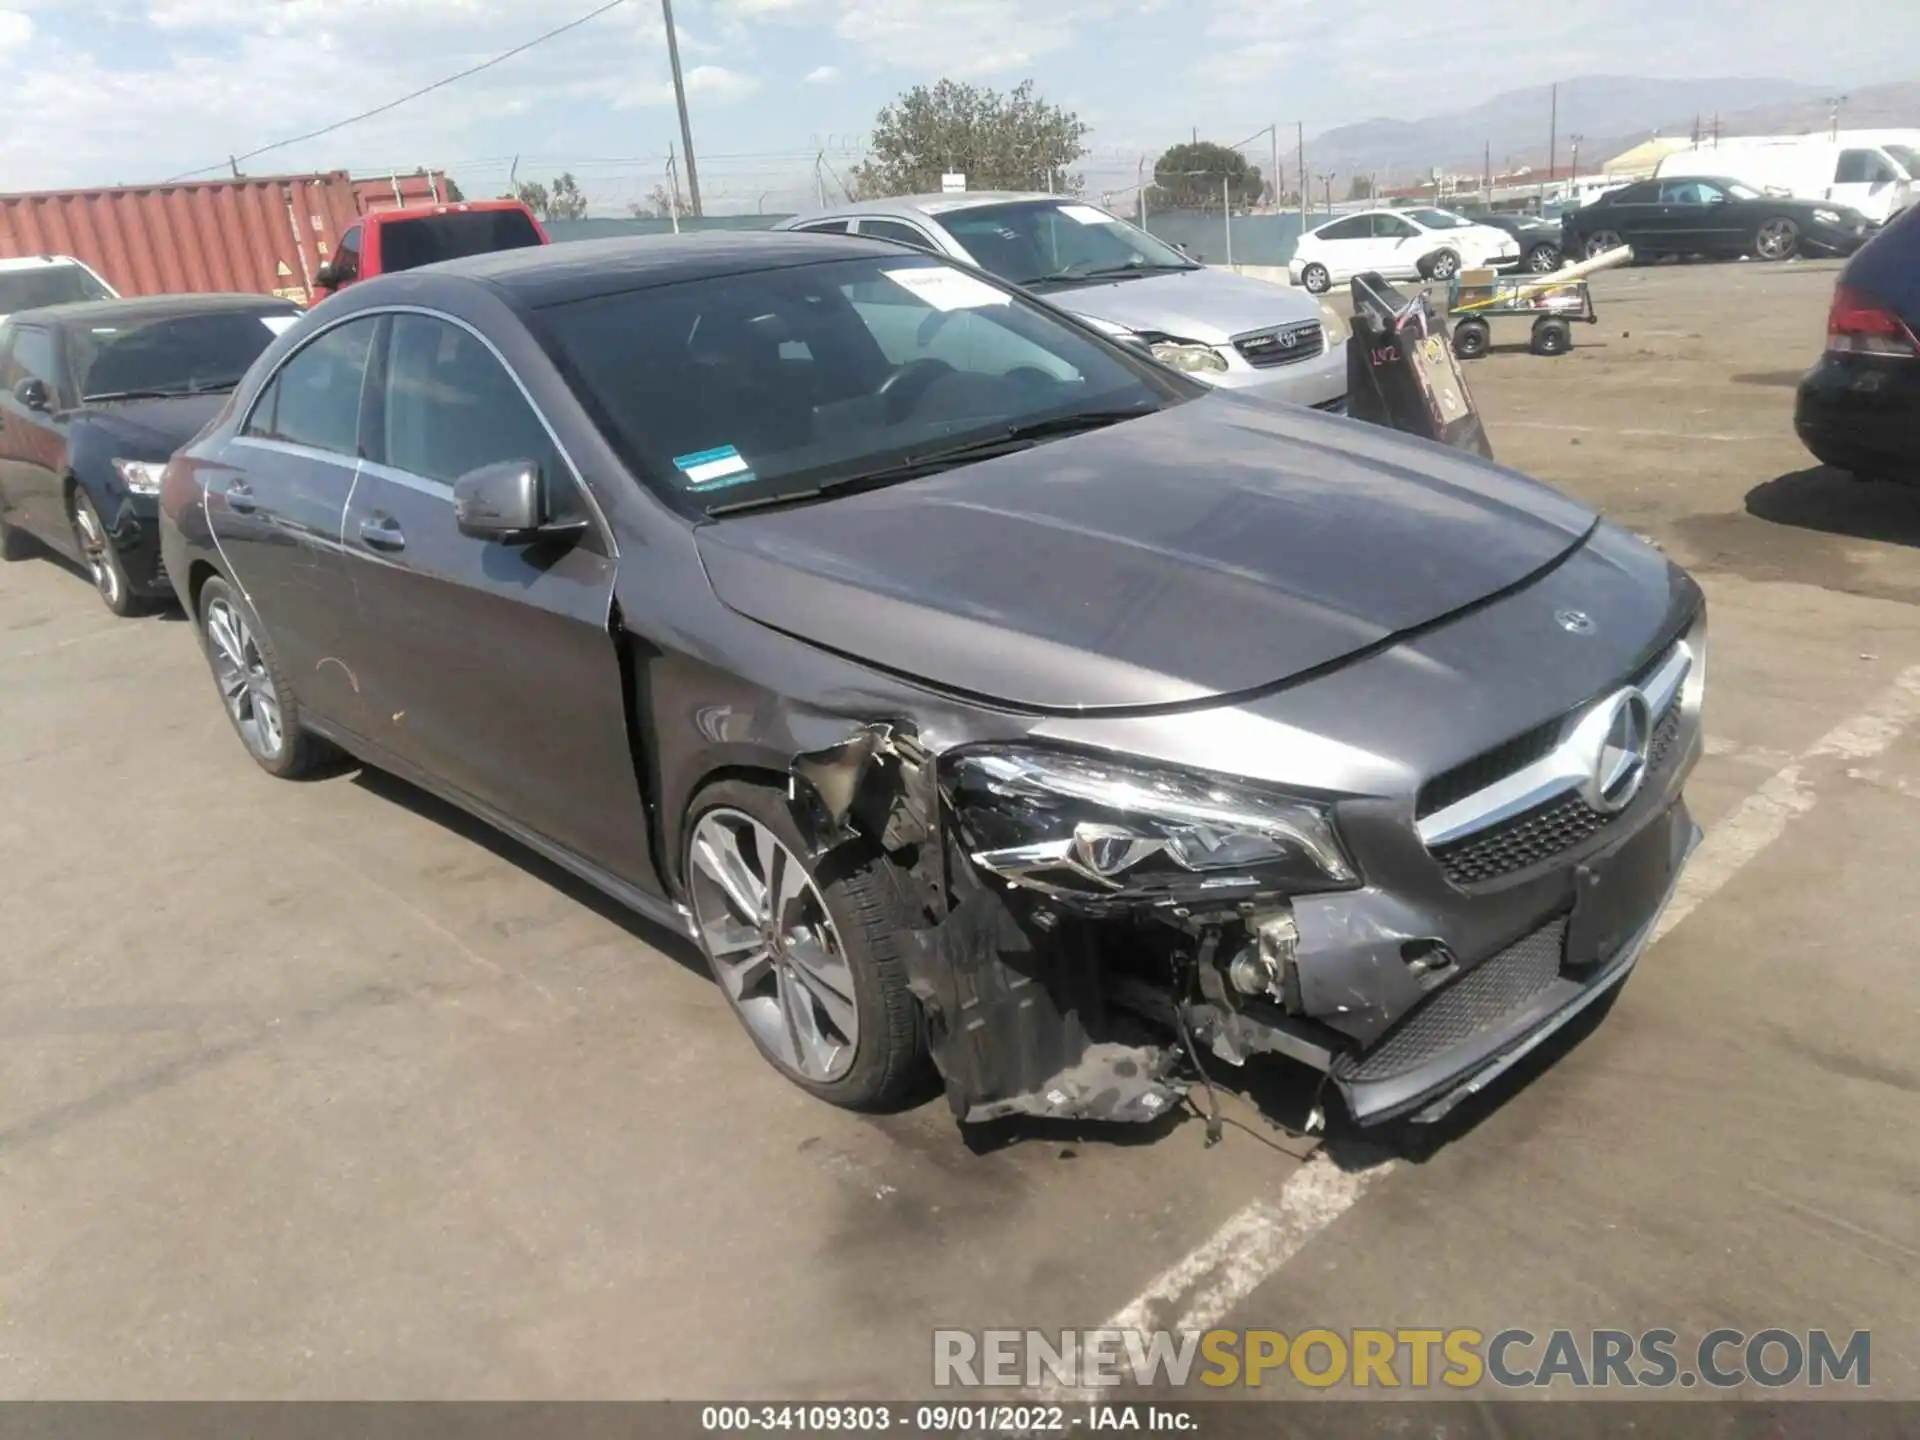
1548, 830
1479, 1000
1485, 768
1284, 346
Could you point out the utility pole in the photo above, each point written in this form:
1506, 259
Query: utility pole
1553, 141
1834, 106
1273, 131
1486, 172
680, 99
819, 180
1226, 213
673, 189
1573, 164
1300, 139
1140, 190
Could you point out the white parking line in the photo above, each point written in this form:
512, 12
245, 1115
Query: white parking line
1255, 1242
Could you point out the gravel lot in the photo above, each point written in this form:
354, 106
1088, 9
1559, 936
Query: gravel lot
324, 1091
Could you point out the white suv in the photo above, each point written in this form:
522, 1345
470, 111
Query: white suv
1398, 245
30, 281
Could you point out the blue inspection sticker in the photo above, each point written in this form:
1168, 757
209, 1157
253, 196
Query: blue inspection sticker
709, 469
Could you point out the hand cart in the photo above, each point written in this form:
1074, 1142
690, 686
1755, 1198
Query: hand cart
1478, 297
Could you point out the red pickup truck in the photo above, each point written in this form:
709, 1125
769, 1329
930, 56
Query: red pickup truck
390, 240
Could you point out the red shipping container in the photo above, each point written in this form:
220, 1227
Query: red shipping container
267, 235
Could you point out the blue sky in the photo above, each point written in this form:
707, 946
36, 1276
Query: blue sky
105, 91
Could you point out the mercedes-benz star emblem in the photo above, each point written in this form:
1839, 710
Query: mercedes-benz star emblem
1576, 621
1620, 765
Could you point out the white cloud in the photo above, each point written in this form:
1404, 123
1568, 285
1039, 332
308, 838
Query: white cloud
16, 30
822, 75
961, 37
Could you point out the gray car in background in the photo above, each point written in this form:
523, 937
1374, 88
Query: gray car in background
1218, 326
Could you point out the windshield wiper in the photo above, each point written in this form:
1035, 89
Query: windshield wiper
132, 395
1007, 441
1109, 272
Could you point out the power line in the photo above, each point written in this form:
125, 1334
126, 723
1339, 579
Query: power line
414, 95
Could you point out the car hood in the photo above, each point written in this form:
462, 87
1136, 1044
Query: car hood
152, 429
1211, 306
1217, 547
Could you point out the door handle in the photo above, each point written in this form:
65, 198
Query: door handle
240, 498
382, 532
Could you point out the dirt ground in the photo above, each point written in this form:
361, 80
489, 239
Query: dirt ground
324, 1091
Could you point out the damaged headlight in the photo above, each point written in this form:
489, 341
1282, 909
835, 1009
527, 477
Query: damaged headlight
1075, 825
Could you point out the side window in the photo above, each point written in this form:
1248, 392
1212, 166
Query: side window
1635, 195
1392, 227
346, 264
1861, 167
1357, 228
314, 398
894, 230
451, 407
34, 358
827, 227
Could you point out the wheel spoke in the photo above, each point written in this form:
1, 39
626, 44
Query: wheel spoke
220, 631
717, 852
789, 999
745, 974
829, 981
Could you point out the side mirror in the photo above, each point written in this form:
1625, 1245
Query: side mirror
32, 393
327, 277
499, 502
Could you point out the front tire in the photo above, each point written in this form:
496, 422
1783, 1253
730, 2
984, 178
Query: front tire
1601, 241
1777, 239
97, 553
1317, 279
1443, 266
1551, 337
1543, 259
809, 952
254, 690
1471, 339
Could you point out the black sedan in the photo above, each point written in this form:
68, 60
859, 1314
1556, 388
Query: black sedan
1539, 240
967, 685
1859, 408
1714, 217
93, 399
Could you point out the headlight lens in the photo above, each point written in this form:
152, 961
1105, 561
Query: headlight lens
1827, 217
1188, 355
142, 477
1077, 825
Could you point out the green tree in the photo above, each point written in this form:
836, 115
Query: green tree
1360, 188
1015, 141
561, 200
1189, 177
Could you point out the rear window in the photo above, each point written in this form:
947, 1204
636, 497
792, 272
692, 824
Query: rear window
48, 285
409, 244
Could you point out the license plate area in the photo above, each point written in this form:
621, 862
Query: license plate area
1617, 891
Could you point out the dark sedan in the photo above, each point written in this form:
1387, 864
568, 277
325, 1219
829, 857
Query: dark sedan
1539, 240
1859, 409
93, 399
1714, 217
966, 685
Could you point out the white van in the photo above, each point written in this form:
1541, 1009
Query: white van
1808, 167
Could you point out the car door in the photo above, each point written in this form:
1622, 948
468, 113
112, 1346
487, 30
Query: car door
1864, 179
275, 501
1680, 224
1631, 213
1344, 247
492, 667
1397, 247
36, 438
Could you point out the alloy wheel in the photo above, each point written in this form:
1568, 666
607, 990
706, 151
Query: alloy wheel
1543, 260
774, 946
1445, 265
1601, 241
93, 551
246, 684
1777, 239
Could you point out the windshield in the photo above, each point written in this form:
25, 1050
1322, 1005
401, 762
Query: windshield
172, 354
781, 382
409, 244
48, 285
1045, 241
1908, 157
1739, 191
1440, 219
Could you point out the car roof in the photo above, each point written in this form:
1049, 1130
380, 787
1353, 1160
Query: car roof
940, 204
538, 276
149, 307
36, 262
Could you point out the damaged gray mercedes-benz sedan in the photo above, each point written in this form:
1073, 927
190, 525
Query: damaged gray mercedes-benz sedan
967, 685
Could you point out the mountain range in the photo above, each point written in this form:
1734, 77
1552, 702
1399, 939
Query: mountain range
1610, 113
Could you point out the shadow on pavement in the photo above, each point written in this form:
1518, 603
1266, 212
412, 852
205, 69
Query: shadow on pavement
1831, 501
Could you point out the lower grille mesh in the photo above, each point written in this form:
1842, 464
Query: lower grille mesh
1478, 1000
1538, 835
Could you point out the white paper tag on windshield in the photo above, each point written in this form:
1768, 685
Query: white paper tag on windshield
278, 324
946, 289
1086, 215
